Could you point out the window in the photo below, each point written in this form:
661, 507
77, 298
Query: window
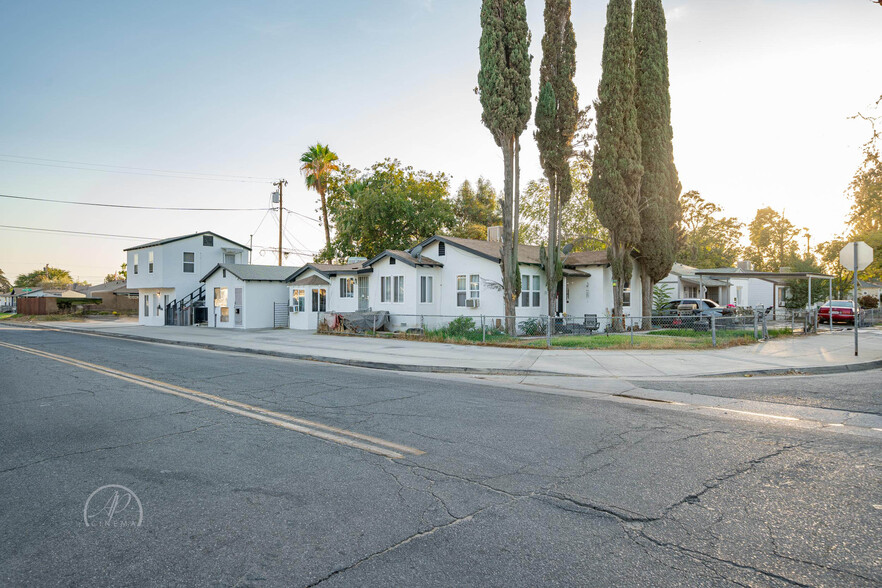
229, 258
474, 286
146, 304
392, 261
426, 289
626, 293
135, 264
207, 241
461, 290
189, 262
347, 287
220, 297
392, 289
398, 289
225, 314
149, 262
298, 300
385, 288
442, 249
529, 291
319, 300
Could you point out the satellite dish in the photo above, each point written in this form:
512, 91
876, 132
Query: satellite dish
417, 251
567, 249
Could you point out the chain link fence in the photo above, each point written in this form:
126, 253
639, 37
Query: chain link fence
564, 330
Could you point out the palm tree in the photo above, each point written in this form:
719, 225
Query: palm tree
318, 164
5, 286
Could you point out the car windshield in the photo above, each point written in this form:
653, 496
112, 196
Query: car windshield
711, 304
838, 304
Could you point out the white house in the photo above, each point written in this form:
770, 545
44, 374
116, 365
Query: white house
166, 274
446, 277
247, 296
682, 282
867, 288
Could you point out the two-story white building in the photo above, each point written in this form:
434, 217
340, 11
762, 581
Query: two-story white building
446, 277
166, 274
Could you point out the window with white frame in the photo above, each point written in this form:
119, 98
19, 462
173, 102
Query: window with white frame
426, 283
392, 289
397, 289
229, 257
347, 287
189, 262
626, 293
529, 290
298, 300
135, 264
149, 262
467, 287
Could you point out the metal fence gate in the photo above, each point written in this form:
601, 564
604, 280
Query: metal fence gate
280, 315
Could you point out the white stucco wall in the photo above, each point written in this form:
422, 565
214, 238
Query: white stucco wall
257, 301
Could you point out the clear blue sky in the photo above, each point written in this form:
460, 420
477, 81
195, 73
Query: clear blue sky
762, 91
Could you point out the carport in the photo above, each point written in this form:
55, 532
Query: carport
777, 278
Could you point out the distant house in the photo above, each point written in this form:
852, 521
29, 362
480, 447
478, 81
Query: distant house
166, 275
682, 282
867, 288
247, 296
450, 277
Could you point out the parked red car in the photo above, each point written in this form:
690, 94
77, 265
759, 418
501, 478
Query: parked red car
843, 312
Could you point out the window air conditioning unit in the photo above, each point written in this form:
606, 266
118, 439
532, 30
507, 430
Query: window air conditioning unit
473, 302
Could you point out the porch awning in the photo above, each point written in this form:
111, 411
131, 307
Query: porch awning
312, 280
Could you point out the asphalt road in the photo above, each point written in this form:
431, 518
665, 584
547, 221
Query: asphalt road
514, 488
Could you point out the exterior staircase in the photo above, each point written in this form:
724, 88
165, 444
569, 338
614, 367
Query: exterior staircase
189, 310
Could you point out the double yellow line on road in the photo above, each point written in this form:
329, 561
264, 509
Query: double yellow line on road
327, 432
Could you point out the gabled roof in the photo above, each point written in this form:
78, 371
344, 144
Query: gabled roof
868, 284
182, 237
405, 257
312, 280
331, 269
254, 273
527, 254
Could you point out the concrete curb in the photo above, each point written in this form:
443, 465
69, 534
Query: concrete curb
803, 371
378, 365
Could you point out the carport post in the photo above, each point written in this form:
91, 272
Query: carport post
810, 305
830, 303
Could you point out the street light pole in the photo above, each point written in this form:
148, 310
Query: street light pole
854, 299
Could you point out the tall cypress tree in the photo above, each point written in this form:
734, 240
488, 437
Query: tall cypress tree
615, 186
660, 212
557, 114
504, 87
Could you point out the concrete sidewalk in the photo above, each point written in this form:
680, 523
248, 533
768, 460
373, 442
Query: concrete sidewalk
823, 353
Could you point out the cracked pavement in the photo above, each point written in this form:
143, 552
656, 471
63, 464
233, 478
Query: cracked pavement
516, 488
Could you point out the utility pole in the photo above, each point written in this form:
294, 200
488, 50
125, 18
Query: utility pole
279, 185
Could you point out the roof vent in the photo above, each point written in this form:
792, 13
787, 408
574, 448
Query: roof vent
494, 234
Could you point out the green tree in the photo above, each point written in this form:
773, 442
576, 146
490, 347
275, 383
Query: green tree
615, 184
475, 209
46, 277
578, 223
318, 163
660, 187
117, 275
388, 207
557, 116
774, 241
504, 90
865, 191
5, 286
797, 290
828, 254
707, 239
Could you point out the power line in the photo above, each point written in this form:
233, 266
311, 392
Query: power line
106, 205
135, 173
150, 169
83, 233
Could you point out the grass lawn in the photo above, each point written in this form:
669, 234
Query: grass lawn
34, 318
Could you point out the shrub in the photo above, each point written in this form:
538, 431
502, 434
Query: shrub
459, 327
868, 301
